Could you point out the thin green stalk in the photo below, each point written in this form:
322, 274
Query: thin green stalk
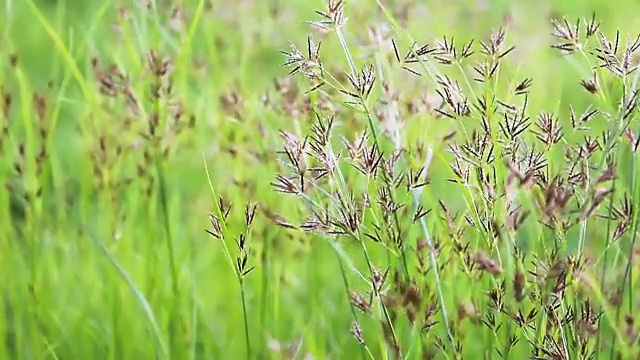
343, 183
425, 231
161, 348
116, 311
194, 302
605, 265
432, 256
387, 182
565, 345
345, 49
239, 276
628, 274
345, 281
167, 227
609, 145
371, 272
312, 206
223, 223
367, 112
246, 318
636, 190
266, 268
618, 337
173, 326
61, 47
376, 293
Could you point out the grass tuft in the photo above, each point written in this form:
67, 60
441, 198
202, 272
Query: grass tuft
294, 180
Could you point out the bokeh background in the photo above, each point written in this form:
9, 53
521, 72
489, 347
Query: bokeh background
231, 62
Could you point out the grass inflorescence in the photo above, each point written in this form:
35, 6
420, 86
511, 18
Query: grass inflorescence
358, 184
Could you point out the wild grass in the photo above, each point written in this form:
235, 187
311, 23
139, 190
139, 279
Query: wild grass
289, 180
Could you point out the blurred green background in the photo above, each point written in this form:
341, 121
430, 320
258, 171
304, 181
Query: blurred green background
233, 50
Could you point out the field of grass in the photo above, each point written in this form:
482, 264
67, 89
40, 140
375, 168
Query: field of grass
289, 179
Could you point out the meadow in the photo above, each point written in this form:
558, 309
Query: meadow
319, 179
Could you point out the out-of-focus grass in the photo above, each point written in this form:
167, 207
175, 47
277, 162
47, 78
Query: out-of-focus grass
118, 273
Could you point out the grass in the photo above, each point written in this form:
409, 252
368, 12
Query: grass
310, 179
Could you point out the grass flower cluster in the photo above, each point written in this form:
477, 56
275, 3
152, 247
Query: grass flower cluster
198, 180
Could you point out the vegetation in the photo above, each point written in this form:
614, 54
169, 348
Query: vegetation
319, 179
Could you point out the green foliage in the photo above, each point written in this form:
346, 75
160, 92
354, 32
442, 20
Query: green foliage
295, 179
